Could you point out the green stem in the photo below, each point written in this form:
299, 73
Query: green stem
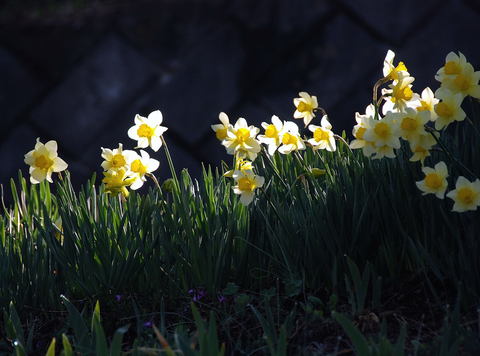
450, 156
170, 164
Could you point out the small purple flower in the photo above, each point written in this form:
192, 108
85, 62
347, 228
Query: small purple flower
221, 298
118, 297
197, 294
148, 324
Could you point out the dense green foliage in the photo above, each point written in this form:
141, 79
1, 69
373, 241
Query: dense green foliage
349, 241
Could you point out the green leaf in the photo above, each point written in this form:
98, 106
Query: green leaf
51, 348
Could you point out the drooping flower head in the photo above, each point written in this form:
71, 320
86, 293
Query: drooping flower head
305, 107
391, 71
117, 158
466, 195
116, 182
221, 129
400, 94
322, 136
147, 130
246, 184
421, 148
43, 161
435, 181
241, 140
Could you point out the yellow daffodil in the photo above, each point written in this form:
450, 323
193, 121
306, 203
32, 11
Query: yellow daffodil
273, 134
411, 124
454, 65
306, 106
291, 140
246, 184
400, 95
421, 148
241, 140
391, 71
147, 130
448, 110
240, 165
116, 182
427, 103
322, 136
466, 195
117, 158
221, 129
43, 161
435, 181
465, 83
383, 132
140, 166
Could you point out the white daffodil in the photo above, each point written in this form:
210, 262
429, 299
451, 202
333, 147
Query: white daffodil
400, 95
322, 136
291, 140
221, 129
241, 140
363, 123
140, 166
411, 124
435, 181
454, 65
246, 184
117, 158
465, 83
383, 133
448, 109
427, 103
305, 107
466, 195
147, 130
391, 71
421, 148
43, 161
273, 134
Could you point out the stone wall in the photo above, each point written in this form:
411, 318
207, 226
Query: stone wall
79, 75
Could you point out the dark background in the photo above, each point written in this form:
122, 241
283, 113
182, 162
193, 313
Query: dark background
78, 71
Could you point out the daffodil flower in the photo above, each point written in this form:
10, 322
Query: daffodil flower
411, 123
427, 103
391, 71
291, 140
448, 109
466, 195
322, 136
246, 184
116, 182
435, 181
454, 65
305, 107
117, 158
358, 131
221, 129
273, 134
400, 95
240, 165
43, 161
421, 148
147, 130
382, 133
466, 82
140, 166
241, 140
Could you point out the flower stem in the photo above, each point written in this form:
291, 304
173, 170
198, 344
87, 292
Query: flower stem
170, 164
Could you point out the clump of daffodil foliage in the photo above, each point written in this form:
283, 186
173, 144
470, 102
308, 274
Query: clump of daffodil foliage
308, 243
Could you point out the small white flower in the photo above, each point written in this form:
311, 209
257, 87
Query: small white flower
322, 136
43, 161
147, 130
246, 184
140, 166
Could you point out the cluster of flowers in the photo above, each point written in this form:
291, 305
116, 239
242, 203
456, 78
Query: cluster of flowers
399, 114
127, 168
409, 116
122, 168
244, 142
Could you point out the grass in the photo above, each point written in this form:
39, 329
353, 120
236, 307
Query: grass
353, 261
